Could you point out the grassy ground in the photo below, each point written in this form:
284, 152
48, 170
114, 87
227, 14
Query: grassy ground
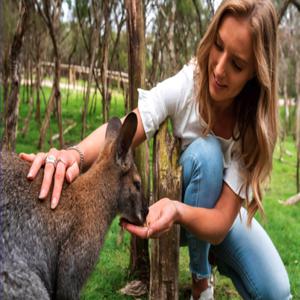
111, 272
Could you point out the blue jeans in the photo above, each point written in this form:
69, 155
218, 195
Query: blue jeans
247, 255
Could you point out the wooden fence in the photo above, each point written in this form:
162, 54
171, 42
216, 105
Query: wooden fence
75, 71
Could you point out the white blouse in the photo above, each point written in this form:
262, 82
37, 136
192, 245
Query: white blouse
175, 98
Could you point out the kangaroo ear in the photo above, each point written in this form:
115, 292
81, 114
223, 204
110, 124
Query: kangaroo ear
124, 140
113, 128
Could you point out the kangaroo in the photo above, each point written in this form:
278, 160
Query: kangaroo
49, 254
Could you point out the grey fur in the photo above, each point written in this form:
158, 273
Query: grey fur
48, 254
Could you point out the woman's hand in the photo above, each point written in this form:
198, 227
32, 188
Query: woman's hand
59, 164
161, 217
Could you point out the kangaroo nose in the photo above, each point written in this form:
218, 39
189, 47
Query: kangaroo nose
145, 212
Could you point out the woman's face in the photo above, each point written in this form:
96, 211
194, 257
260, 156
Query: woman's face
231, 60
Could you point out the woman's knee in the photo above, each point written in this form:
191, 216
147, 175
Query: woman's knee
204, 156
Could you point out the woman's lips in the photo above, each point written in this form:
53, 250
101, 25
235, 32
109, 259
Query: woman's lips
218, 84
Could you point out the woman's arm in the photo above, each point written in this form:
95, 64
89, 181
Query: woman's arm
92, 145
68, 167
210, 224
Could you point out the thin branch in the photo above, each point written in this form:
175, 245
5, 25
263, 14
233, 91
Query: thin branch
292, 200
297, 4
81, 27
283, 9
198, 11
41, 12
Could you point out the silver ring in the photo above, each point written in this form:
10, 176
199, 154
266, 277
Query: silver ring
61, 160
50, 159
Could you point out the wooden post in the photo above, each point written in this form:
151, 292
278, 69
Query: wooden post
139, 255
165, 250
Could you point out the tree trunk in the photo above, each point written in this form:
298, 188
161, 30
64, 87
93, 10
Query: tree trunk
286, 108
297, 82
38, 86
298, 146
28, 117
199, 16
139, 256
281, 11
165, 250
170, 36
51, 17
5, 79
1, 64
104, 64
54, 33
90, 78
46, 121
12, 107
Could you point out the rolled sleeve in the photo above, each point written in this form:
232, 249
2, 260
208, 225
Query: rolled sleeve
164, 100
235, 179
152, 114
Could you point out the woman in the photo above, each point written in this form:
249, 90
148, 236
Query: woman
223, 107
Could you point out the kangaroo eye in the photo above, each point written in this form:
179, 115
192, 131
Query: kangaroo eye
137, 185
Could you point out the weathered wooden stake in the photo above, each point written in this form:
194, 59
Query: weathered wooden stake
165, 250
139, 255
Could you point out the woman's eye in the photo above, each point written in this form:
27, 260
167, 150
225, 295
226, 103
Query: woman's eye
236, 66
218, 46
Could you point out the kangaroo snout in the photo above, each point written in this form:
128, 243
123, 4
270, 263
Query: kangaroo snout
134, 208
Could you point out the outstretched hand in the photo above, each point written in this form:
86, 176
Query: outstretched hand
161, 217
59, 164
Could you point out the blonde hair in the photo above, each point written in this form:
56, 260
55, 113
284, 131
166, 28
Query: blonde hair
256, 104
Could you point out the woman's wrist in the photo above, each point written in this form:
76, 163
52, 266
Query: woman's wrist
80, 156
178, 209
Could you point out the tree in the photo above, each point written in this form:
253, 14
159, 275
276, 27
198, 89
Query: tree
284, 6
139, 257
9, 18
50, 12
291, 39
90, 14
12, 106
104, 61
1, 59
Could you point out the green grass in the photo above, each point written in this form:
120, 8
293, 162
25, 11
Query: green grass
111, 273
71, 111
283, 221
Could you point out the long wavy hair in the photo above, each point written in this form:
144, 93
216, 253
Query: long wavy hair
256, 105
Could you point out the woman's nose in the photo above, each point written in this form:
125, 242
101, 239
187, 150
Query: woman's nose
220, 68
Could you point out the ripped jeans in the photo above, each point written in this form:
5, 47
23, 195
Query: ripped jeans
246, 255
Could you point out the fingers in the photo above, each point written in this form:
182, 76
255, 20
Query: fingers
145, 232
66, 167
159, 227
160, 219
48, 173
139, 231
37, 160
58, 166
58, 183
27, 157
72, 172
